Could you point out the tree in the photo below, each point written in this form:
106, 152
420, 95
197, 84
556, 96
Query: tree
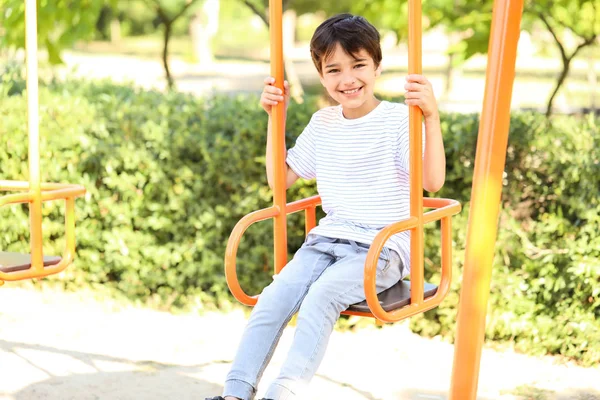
169, 11
580, 18
561, 18
61, 23
472, 20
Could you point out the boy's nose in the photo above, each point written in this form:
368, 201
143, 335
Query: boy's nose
348, 80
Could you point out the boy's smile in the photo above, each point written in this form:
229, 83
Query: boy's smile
349, 80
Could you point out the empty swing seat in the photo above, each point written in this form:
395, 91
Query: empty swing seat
13, 262
16, 266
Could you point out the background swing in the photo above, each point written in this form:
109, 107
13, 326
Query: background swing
16, 266
407, 299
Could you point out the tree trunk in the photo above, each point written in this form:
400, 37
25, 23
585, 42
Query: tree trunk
203, 28
559, 82
115, 30
593, 82
165, 52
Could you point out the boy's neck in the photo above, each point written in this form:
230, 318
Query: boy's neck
364, 109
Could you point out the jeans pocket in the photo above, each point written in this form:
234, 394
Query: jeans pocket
385, 264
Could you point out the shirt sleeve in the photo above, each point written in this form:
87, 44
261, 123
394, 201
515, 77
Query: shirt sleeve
301, 157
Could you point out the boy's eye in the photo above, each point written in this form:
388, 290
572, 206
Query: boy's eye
359, 65
332, 71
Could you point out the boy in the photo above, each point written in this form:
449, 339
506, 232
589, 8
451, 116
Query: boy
359, 153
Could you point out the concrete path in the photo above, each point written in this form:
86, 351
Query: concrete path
56, 345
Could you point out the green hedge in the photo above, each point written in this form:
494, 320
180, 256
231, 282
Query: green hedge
169, 175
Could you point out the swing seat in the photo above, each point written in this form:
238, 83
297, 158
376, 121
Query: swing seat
16, 266
13, 262
395, 303
398, 296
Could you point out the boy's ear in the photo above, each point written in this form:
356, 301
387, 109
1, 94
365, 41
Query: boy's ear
322, 80
378, 70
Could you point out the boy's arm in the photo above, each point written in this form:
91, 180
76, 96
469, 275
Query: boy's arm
419, 92
291, 176
434, 161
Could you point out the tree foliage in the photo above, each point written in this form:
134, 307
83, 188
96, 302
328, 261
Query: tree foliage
472, 21
168, 12
60, 23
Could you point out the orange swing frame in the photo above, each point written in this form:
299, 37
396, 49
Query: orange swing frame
15, 266
483, 219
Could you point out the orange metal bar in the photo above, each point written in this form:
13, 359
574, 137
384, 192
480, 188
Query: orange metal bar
303, 204
487, 187
24, 186
311, 220
231, 252
49, 191
35, 206
309, 206
416, 159
448, 208
67, 257
278, 135
445, 208
16, 198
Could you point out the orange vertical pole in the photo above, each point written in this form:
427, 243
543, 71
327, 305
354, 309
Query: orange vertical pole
416, 160
278, 135
485, 197
35, 207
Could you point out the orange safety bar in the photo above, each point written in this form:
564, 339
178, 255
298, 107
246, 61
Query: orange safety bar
36, 192
444, 208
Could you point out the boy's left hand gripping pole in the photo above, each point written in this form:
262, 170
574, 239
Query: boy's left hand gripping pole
278, 142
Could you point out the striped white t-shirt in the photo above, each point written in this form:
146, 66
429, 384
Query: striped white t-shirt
362, 170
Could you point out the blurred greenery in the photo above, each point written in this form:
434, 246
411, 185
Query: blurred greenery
60, 23
570, 27
169, 175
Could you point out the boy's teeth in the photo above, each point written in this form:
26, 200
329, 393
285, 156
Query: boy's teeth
350, 91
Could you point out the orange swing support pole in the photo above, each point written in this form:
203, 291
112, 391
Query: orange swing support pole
278, 138
415, 121
485, 198
35, 205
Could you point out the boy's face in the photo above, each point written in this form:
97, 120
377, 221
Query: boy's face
350, 80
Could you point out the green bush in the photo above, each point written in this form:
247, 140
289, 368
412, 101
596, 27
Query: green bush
169, 175
545, 293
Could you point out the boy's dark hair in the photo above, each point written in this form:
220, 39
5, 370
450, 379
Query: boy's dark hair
352, 32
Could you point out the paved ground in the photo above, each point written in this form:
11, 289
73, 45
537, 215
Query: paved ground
55, 345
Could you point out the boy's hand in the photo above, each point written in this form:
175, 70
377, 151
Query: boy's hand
419, 92
272, 95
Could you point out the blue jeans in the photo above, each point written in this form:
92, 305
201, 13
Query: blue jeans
323, 279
